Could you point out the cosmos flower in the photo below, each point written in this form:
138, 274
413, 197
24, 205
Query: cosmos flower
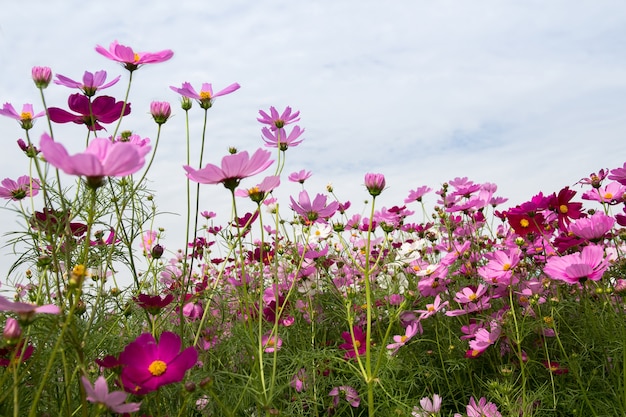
350, 394
206, 96
131, 59
593, 227
375, 183
26, 117
311, 211
299, 176
482, 408
578, 267
356, 347
148, 364
102, 109
92, 82
115, 401
41, 76
401, 340
23, 187
258, 192
26, 310
271, 343
427, 407
233, 169
276, 120
102, 158
280, 139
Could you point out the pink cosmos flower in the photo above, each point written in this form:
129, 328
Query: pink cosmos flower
300, 176
26, 117
417, 194
401, 340
350, 394
17, 190
148, 365
258, 192
271, 343
27, 310
500, 266
612, 193
484, 338
427, 407
131, 59
276, 120
578, 267
234, 168
298, 381
279, 138
311, 211
482, 409
206, 96
12, 330
92, 82
593, 227
102, 158
102, 109
619, 174
356, 347
113, 401
433, 308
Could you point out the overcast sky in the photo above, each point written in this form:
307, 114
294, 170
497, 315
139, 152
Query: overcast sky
530, 95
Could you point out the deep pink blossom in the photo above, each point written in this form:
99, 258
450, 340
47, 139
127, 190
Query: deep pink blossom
102, 158
148, 364
578, 267
113, 401
276, 120
206, 95
375, 183
131, 59
102, 109
356, 347
271, 342
23, 187
91, 83
26, 117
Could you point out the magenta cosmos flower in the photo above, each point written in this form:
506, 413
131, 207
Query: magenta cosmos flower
311, 211
103, 109
113, 401
148, 365
102, 158
206, 95
131, 59
276, 120
234, 168
17, 190
578, 267
353, 347
26, 117
92, 82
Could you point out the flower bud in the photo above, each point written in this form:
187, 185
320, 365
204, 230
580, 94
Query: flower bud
42, 76
186, 103
12, 331
161, 111
157, 251
375, 183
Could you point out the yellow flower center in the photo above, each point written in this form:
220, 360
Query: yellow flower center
506, 267
26, 116
608, 196
403, 338
137, 57
563, 208
524, 223
357, 344
157, 368
205, 95
472, 297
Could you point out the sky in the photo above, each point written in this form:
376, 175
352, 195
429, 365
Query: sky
528, 95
